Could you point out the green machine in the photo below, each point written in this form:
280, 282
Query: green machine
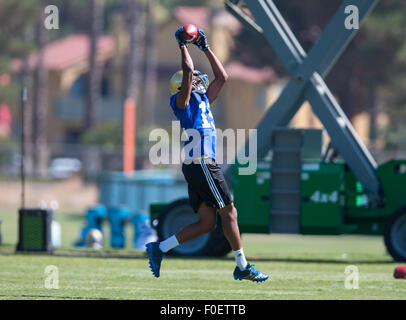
327, 199
298, 187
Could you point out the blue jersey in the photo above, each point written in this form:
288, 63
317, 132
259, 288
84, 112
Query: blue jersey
197, 115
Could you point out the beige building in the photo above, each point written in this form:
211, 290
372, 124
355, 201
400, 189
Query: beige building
247, 95
66, 62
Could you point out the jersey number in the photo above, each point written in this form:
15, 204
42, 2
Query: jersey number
206, 123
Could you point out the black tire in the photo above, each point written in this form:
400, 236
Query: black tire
177, 215
395, 234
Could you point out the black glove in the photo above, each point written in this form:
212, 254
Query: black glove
201, 41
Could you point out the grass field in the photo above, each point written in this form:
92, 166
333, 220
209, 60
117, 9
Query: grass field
301, 267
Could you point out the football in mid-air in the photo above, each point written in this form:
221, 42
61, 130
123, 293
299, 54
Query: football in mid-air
190, 32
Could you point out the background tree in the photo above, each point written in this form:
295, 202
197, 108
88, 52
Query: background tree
39, 115
136, 26
151, 61
373, 64
16, 42
95, 67
17, 21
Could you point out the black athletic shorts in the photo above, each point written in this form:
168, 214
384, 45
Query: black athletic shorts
206, 183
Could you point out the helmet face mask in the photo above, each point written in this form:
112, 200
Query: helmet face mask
200, 82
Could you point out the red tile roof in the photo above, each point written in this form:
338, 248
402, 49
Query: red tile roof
238, 71
69, 51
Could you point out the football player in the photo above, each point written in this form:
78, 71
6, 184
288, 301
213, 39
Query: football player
191, 97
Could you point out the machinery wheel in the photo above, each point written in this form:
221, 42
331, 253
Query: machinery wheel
179, 214
395, 234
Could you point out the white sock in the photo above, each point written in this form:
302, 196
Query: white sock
240, 259
168, 244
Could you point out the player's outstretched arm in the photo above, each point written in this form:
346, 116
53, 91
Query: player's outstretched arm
220, 74
182, 100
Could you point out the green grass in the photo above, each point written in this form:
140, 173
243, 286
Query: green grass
301, 267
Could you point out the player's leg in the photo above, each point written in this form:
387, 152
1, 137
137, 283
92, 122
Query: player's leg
243, 270
228, 214
205, 224
231, 231
197, 190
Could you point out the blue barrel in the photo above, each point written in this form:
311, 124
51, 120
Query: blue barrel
117, 217
94, 220
143, 231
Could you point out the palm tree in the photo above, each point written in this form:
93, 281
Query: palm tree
150, 64
40, 143
95, 68
27, 112
136, 25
